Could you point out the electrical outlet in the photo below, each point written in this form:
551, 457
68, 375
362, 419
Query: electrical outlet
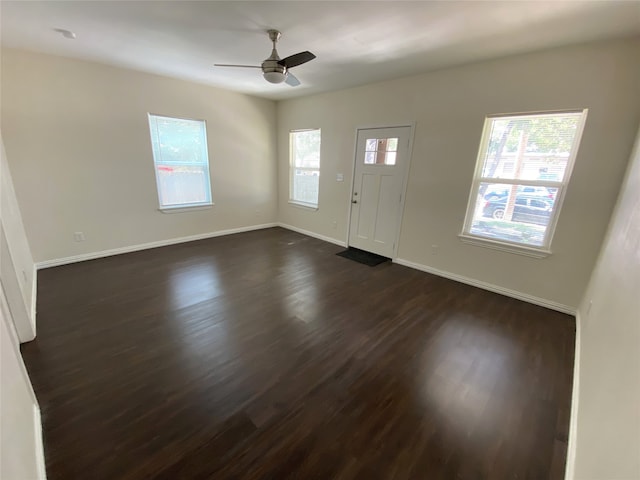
339, 177
334, 225
434, 249
78, 236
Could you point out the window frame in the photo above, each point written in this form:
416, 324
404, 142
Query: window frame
293, 168
543, 250
176, 208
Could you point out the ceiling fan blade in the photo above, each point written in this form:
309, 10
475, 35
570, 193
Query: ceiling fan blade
297, 59
292, 80
240, 66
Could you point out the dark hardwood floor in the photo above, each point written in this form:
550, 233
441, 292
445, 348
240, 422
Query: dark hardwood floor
263, 355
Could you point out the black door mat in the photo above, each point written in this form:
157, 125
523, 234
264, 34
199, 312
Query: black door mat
360, 256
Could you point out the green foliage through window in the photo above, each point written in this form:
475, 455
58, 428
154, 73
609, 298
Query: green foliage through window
523, 168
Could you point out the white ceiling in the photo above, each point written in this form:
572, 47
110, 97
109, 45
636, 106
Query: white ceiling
355, 42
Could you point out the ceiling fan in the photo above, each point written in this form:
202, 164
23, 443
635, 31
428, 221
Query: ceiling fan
275, 69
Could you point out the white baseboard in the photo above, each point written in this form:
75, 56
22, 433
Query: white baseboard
39, 445
575, 397
313, 234
145, 246
488, 286
162, 243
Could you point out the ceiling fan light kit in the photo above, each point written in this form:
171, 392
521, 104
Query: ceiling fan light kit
275, 69
274, 77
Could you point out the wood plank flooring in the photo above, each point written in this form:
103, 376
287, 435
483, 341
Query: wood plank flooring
263, 355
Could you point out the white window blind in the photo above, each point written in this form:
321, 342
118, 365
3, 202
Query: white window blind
304, 168
181, 161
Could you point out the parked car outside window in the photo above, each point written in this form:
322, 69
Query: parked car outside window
495, 192
527, 209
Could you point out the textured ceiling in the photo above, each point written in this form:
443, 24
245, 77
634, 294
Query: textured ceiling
355, 42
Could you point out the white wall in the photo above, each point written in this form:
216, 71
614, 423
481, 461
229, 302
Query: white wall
607, 444
16, 265
449, 107
21, 455
77, 141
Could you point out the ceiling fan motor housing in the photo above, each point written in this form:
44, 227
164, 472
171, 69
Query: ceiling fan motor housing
274, 72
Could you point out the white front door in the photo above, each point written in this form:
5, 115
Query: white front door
382, 155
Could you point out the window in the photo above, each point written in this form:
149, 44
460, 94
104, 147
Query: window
304, 157
181, 161
523, 169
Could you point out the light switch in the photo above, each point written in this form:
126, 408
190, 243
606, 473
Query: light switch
339, 177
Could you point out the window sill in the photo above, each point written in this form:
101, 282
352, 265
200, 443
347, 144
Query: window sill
304, 206
505, 247
186, 208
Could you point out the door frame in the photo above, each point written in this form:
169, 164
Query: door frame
405, 180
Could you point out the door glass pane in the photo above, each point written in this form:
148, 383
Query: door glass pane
391, 158
392, 144
380, 151
369, 158
371, 144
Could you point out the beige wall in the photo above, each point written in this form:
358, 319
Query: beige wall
21, 454
20, 435
607, 444
77, 141
449, 107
